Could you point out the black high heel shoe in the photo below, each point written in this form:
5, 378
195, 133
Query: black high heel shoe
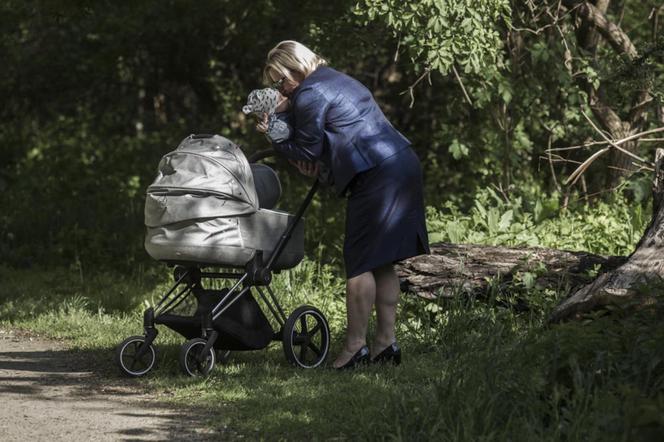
391, 354
361, 357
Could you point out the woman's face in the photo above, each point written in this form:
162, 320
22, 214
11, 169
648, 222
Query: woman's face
285, 85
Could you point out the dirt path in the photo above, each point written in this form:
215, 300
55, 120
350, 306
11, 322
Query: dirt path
49, 393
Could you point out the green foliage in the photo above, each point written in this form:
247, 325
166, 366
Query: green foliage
458, 150
95, 93
81, 132
610, 228
586, 376
440, 33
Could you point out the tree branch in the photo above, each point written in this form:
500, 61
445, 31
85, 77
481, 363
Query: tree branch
621, 141
411, 88
609, 119
589, 37
465, 94
612, 33
613, 144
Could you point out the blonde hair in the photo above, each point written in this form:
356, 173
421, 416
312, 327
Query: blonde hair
289, 57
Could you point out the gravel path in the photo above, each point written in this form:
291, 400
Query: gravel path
49, 393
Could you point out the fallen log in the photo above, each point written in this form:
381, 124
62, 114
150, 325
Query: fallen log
471, 269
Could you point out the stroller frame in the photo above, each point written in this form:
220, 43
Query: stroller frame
197, 356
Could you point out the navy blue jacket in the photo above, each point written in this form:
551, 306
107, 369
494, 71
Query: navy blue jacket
336, 121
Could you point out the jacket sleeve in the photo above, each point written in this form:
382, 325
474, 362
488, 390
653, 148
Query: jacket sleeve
309, 112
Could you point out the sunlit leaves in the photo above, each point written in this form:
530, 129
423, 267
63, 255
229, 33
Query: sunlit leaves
440, 33
608, 228
458, 149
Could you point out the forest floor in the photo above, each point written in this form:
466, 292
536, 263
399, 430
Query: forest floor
474, 368
51, 393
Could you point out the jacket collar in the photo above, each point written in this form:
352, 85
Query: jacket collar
312, 78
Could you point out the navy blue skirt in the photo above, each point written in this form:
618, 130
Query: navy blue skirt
385, 215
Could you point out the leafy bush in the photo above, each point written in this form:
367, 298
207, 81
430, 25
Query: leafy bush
607, 227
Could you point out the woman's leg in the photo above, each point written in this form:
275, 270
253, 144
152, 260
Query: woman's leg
360, 298
387, 298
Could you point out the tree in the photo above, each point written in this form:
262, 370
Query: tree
640, 278
592, 27
622, 100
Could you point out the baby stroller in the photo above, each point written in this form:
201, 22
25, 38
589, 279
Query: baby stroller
209, 214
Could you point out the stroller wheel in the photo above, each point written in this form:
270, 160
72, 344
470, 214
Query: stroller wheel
132, 359
306, 337
192, 362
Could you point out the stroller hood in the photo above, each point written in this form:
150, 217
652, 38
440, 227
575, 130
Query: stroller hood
207, 176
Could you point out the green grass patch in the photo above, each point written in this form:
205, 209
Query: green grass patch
473, 369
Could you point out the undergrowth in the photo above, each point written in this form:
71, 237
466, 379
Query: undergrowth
606, 227
474, 369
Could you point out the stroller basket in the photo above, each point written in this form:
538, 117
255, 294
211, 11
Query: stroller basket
243, 326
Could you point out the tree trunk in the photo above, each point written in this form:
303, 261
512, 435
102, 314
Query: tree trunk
452, 269
593, 26
639, 278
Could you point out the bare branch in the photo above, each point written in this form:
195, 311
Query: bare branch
567, 56
587, 197
501, 191
456, 74
654, 16
553, 171
411, 88
626, 152
572, 179
618, 142
396, 52
559, 159
555, 21
643, 99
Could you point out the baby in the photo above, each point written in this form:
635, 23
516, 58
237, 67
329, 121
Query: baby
269, 101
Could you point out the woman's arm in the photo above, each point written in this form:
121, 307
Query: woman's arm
309, 111
306, 167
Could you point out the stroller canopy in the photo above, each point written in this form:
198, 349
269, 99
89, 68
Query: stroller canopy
207, 176
204, 208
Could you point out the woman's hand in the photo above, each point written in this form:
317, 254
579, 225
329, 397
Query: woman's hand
306, 168
262, 123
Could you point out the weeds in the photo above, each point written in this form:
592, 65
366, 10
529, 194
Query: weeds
474, 369
610, 228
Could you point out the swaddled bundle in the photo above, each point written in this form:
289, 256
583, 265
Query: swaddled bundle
267, 101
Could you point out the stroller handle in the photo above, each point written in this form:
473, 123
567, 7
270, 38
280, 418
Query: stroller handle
261, 155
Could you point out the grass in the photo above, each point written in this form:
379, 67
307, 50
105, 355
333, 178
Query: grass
474, 370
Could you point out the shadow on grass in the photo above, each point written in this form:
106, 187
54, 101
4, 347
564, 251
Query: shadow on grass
79, 386
260, 395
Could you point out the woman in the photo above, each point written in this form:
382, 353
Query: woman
338, 126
